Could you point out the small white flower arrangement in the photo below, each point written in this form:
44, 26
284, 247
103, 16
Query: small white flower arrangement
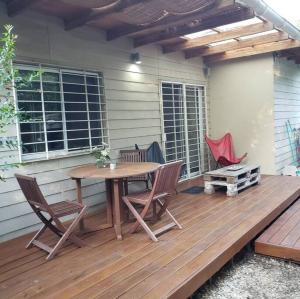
102, 155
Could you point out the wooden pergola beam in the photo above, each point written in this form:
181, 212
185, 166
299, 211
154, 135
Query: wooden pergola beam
94, 14
81, 20
222, 36
263, 39
251, 51
211, 22
130, 30
15, 7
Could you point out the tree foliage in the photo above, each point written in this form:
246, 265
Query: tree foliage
9, 78
7, 54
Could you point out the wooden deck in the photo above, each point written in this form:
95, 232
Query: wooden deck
215, 229
282, 238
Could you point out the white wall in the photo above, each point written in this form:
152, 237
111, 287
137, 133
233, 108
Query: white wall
241, 102
287, 107
132, 94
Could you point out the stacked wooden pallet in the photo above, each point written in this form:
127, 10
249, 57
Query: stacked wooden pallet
235, 178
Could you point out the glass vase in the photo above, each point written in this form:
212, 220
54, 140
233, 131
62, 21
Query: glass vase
101, 163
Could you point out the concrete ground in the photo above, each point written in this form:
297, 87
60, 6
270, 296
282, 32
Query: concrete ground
253, 276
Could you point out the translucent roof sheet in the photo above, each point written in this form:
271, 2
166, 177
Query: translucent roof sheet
200, 34
257, 34
223, 42
239, 24
223, 28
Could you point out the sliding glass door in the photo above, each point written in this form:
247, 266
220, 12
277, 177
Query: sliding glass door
184, 126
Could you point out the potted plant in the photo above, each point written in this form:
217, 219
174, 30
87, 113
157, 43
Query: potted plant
102, 156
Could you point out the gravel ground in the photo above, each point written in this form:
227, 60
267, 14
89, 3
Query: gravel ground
254, 277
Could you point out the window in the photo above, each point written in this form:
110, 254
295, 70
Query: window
65, 112
184, 123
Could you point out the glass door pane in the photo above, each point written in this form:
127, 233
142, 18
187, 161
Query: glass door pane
194, 123
184, 121
174, 122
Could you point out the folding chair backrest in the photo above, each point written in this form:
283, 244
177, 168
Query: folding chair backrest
166, 178
133, 155
32, 192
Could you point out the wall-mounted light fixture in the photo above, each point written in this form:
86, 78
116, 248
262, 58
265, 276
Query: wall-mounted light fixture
135, 58
206, 71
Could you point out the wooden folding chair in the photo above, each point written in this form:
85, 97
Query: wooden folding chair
164, 186
55, 211
134, 156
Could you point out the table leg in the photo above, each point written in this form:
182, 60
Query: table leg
123, 214
79, 199
109, 223
117, 208
109, 210
109, 197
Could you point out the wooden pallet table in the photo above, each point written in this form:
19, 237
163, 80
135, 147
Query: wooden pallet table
235, 178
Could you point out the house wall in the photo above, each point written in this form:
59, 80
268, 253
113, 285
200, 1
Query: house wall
132, 95
241, 102
287, 107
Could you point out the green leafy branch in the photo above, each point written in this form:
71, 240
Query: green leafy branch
10, 79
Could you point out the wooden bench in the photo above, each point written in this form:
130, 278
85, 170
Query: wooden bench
282, 238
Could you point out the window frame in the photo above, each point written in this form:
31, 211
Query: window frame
65, 152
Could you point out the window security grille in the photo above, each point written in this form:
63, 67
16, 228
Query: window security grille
65, 112
184, 123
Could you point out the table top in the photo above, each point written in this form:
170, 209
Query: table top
122, 170
229, 171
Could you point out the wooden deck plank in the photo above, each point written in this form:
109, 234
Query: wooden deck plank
297, 244
196, 227
280, 221
281, 239
290, 221
193, 265
80, 257
229, 221
215, 227
294, 234
179, 253
22, 257
94, 278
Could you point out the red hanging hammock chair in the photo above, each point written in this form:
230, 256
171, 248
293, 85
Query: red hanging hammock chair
222, 150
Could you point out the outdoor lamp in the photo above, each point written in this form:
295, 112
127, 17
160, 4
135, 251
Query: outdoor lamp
135, 58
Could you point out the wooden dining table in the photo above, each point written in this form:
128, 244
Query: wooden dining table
114, 187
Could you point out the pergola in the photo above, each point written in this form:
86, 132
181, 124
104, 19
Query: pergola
168, 23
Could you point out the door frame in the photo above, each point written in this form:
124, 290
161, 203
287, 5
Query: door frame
163, 137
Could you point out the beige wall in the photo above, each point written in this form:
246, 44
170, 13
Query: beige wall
241, 102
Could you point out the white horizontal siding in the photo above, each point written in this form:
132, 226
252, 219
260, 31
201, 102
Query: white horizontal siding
132, 96
286, 107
